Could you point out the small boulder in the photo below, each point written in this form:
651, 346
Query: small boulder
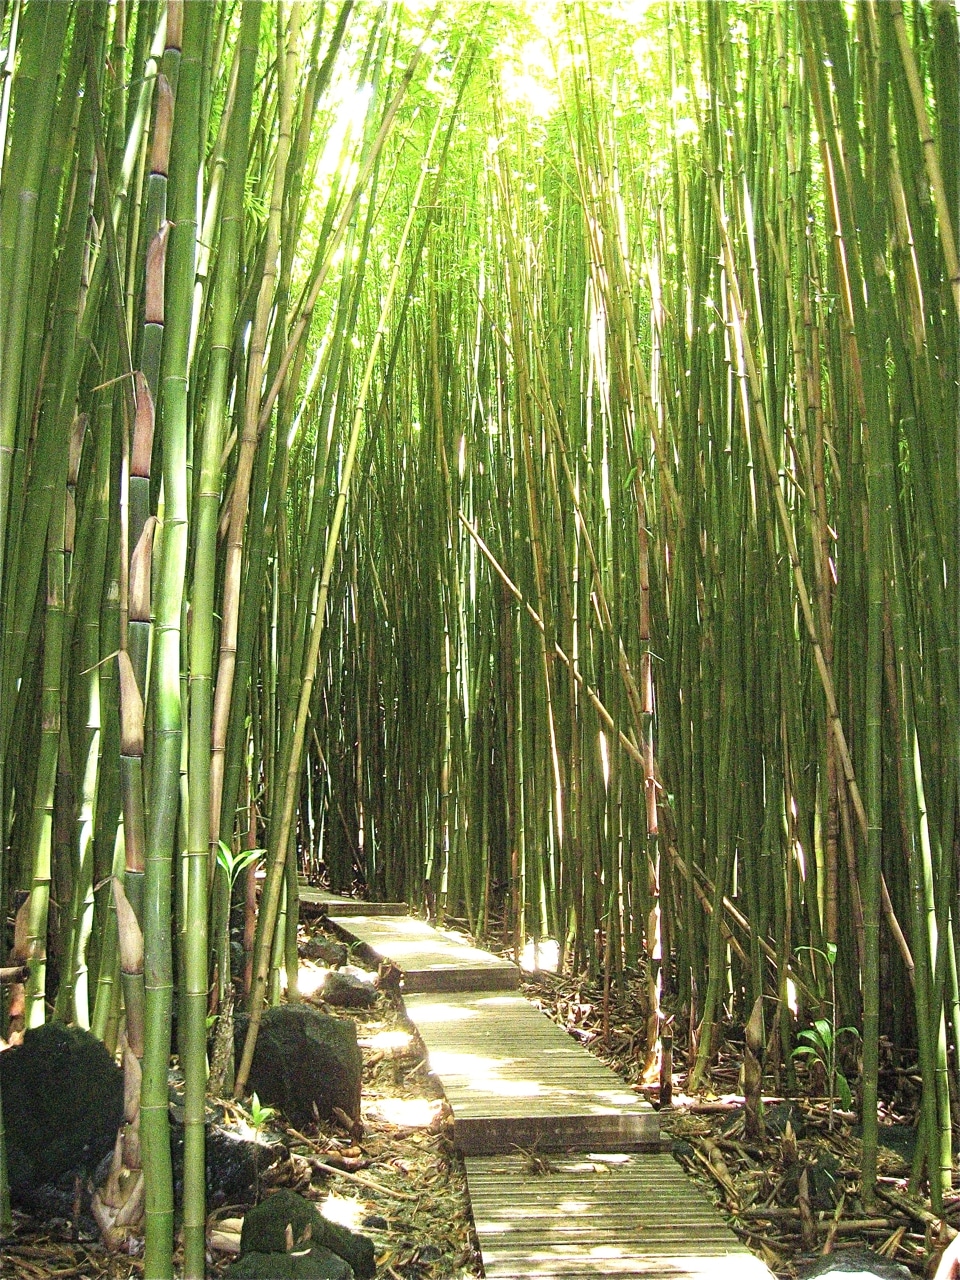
839, 1264
62, 1106
822, 1180
304, 1059
344, 991
234, 1163
776, 1118
285, 1216
327, 950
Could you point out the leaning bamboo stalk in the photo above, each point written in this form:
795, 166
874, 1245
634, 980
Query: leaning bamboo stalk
224, 304
945, 215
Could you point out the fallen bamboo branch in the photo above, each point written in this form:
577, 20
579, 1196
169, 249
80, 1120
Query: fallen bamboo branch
320, 1166
912, 1209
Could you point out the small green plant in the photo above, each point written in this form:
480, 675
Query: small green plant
260, 1117
232, 864
821, 1042
260, 1114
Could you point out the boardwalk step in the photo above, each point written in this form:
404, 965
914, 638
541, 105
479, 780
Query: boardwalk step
431, 959
515, 1079
600, 1215
326, 903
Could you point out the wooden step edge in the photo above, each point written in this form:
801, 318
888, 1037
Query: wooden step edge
630, 1131
319, 902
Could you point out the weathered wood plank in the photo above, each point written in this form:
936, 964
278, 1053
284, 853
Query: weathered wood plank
605, 1215
431, 959
322, 901
515, 1079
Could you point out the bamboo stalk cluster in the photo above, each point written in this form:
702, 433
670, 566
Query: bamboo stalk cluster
543, 509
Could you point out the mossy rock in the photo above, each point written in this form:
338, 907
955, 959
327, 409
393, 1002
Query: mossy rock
315, 1264
327, 950
304, 1059
347, 992
265, 1231
859, 1260
62, 1106
234, 1163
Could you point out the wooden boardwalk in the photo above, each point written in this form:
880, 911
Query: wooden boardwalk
516, 1079
564, 1170
323, 902
600, 1215
431, 959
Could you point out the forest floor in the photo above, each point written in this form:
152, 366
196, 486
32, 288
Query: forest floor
401, 1181
796, 1192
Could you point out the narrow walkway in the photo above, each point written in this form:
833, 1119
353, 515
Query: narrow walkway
323, 902
563, 1161
516, 1079
600, 1215
431, 959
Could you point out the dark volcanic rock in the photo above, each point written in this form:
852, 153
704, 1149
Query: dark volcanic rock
822, 1181
234, 1163
775, 1119
304, 1058
62, 1107
843, 1261
347, 992
327, 950
265, 1231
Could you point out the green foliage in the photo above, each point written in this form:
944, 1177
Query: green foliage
234, 864
821, 1046
822, 1038
260, 1115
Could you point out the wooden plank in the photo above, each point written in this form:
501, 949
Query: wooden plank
326, 903
616, 1214
431, 959
515, 1079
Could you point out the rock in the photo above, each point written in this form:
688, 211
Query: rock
775, 1119
901, 1138
345, 991
327, 950
62, 1107
823, 1187
304, 1059
265, 1230
234, 1163
315, 1264
839, 1265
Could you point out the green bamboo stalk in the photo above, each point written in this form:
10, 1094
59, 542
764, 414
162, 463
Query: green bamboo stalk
208, 498
250, 434
165, 693
42, 42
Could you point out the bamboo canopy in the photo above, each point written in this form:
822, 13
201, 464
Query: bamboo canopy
501, 456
